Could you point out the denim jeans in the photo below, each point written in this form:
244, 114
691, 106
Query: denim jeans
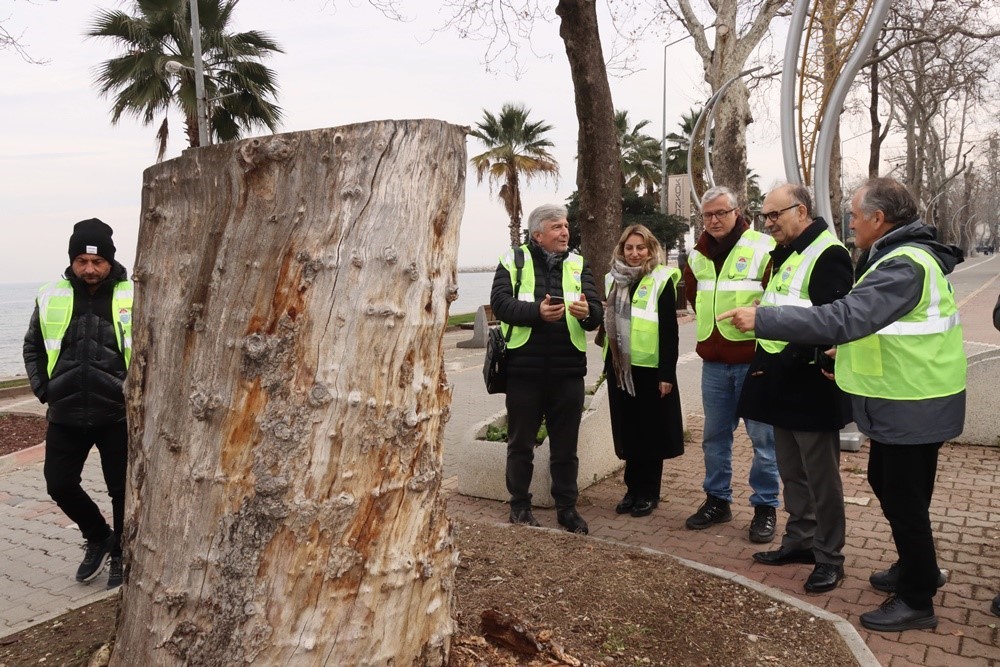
721, 385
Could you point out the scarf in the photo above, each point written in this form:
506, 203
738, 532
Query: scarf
618, 322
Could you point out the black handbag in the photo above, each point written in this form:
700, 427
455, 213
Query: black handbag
495, 364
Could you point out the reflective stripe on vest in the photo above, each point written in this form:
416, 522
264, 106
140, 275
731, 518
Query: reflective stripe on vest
55, 310
572, 269
789, 284
919, 356
644, 329
738, 284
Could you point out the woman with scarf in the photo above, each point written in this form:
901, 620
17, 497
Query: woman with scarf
640, 365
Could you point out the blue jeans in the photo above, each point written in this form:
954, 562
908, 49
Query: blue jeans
721, 385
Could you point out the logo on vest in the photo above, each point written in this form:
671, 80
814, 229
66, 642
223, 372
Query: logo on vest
123, 316
643, 291
786, 273
741, 264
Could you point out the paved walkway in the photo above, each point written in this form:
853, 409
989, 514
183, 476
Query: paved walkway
42, 550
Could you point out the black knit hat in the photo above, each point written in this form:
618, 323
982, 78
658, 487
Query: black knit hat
92, 237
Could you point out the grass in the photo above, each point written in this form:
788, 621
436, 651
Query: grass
17, 382
498, 433
462, 318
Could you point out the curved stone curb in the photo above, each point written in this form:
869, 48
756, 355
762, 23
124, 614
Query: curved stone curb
848, 632
20, 459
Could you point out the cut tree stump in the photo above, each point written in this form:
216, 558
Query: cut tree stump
287, 400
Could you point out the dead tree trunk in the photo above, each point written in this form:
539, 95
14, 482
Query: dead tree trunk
287, 398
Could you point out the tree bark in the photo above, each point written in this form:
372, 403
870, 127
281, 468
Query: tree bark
287, 398
598, 167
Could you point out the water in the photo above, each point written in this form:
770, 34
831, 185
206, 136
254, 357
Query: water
16, 303
18, 300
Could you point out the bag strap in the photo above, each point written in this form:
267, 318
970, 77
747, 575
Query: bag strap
519, 263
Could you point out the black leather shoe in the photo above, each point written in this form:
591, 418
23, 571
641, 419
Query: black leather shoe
762, 526
995, 607
571, 520
713, 510
825, 577
626, 505
523, 517
785, 556
643, 507
887, 580
894, 615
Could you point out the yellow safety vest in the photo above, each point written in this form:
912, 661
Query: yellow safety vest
738, 284
789, 283
644, 331
572, 269
920, 355
55, 310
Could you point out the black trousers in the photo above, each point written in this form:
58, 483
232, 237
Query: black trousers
643, 477
902, 477
66, 451
560, 402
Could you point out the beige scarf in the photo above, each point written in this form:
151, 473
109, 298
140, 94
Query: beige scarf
618, 322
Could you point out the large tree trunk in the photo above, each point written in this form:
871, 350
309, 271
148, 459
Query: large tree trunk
286, 401
598, 172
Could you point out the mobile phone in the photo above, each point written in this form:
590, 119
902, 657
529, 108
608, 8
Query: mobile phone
555, 298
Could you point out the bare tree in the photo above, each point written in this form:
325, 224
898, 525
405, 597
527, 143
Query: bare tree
739, 29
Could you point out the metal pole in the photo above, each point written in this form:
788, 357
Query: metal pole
793, 172
199, 75
663, 140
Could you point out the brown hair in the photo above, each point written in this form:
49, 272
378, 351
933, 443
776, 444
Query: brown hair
655, 249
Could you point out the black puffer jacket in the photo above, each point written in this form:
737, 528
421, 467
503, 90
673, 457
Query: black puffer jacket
86, 384
549, 350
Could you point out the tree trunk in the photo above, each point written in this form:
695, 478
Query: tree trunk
287, 399
598, 166
875, 145
729, 151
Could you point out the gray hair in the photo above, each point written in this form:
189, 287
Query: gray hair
719, 191
543, 214
891, 197
800, 195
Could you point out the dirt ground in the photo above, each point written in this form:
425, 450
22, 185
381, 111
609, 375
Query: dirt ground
20, 431
578, 601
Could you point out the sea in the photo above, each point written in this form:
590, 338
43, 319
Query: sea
18, 299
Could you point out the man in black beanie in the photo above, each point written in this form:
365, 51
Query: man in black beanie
77, 352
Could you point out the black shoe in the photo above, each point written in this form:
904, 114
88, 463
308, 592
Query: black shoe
887, 580
571, 520
894, 615
713, 510
995, 607
825, 577
643, 507
115, 572
762, 526
94, 558
785, 556
625, 506
523, 517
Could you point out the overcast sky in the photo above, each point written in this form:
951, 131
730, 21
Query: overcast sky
62, 161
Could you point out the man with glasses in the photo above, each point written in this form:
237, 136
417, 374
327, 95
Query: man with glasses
902, 360
723, 272
786, 388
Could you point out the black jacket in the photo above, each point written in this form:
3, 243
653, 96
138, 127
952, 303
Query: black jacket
786, 389
549, 350
86, 384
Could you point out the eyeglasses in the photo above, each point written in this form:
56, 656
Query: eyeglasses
773, 215
707, 216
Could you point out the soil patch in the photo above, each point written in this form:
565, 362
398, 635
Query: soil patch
580, 601
18, 432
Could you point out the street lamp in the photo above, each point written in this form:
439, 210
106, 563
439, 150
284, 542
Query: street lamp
174, 67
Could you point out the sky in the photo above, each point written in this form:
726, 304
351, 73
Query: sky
62, 160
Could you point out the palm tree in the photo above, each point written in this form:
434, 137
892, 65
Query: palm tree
515, 146
239, 88
640, 155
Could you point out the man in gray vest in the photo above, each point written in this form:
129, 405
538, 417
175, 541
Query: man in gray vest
76, 352
786, 388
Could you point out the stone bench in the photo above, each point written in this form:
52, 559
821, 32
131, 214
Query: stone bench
982, 400
480, 328
481, 463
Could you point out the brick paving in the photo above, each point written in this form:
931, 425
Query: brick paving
41, 549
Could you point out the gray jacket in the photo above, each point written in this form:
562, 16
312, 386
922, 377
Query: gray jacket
889, 292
